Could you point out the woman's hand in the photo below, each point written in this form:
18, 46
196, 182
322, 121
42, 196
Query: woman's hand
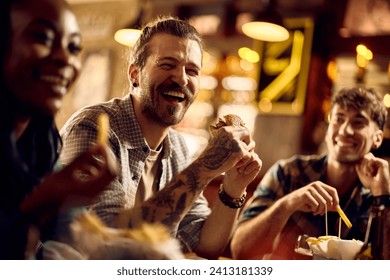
75, 185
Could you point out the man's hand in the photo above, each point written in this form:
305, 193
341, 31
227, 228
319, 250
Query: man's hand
239, 177
373, 172
228, 148
315, 197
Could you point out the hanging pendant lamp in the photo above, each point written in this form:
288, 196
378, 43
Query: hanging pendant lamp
267, 26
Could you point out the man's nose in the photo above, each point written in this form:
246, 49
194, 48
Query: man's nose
346, 128
179, 76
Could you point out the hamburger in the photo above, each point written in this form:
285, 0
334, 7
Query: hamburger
227, 120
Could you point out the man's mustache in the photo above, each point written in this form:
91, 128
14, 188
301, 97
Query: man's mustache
174, 88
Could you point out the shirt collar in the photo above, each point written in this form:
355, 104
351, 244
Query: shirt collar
137, 139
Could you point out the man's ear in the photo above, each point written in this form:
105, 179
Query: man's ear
133, 74
378, 139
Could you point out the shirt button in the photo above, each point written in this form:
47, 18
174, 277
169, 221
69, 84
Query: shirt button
135, 177
145, 149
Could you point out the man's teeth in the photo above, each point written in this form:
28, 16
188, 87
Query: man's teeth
175, 94
345, 144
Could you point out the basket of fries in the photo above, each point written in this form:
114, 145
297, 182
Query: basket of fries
334, 248
330, 247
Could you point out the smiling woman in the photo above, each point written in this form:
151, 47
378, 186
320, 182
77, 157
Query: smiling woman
39, 37
40, 61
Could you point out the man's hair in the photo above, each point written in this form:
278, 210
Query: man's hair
169, 25
361, 98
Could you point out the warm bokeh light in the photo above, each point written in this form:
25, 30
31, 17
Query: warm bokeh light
364, 55
206, 57
233, 64
208, 82
386, 100
361, 61
210, 63
295, 106
364, 51
360, 49
239, 83
249, 55
206, 24
265, 105
331, 70
127, 37
246, 65
265, 31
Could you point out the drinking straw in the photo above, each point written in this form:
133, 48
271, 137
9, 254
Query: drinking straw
326, 220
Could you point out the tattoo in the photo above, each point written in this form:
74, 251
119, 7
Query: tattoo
219, 152
193, 178
175, 216
228, 143
165, 199
166, 206
170, 204
214, 159
176, 185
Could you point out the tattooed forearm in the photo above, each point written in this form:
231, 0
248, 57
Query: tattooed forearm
219, 152
214, 160
175, 216
193, 178
173, 202
164, 200
166, 207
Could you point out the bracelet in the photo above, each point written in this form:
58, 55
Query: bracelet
381, 200
229, 201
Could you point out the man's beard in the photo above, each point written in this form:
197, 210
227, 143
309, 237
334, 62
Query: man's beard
350, 159
153, 112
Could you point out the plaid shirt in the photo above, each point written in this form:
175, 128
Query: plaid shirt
131, 150
284, 177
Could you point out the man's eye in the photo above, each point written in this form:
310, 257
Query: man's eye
337, 120
359, 123
193, 72
167, 66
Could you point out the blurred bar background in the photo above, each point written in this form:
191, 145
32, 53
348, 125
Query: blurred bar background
281, 89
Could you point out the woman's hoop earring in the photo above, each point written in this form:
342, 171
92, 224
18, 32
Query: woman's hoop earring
135, 84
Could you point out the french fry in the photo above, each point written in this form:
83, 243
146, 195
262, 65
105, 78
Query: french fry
344, 217
103, 128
